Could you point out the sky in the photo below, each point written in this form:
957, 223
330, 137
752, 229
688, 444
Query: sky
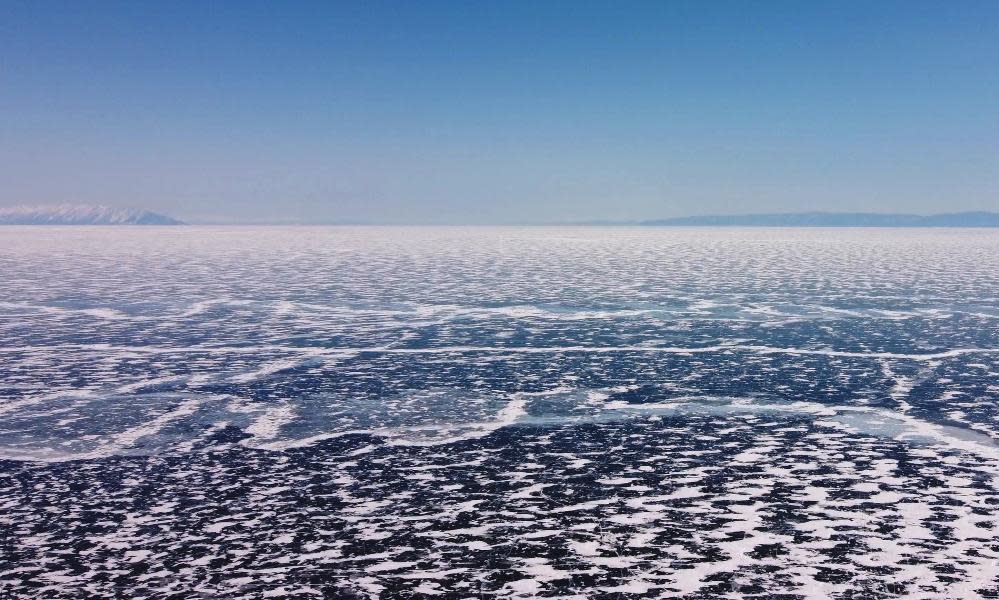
499, 112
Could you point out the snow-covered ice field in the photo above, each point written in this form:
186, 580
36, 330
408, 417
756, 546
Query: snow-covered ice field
498, 412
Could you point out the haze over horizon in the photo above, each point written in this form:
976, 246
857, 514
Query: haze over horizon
490, 113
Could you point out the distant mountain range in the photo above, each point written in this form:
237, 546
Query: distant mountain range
827, 219
81, 214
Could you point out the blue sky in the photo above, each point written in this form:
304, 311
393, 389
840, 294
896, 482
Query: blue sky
499, 112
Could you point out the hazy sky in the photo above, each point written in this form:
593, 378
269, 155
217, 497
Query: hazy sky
500, 111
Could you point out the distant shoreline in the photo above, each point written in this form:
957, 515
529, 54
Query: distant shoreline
978, 220
101, 216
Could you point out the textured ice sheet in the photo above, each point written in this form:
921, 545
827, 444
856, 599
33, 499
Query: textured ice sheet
522, 412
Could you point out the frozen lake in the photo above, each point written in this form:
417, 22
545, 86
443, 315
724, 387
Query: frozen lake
514, 412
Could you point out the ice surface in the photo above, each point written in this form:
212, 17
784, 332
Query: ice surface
518, 412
